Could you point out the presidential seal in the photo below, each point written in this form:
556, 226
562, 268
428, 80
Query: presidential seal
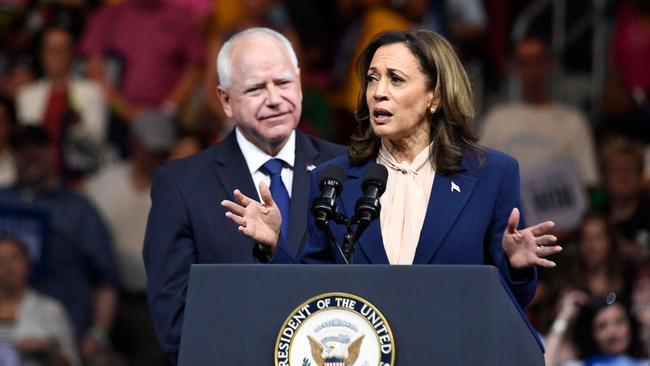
335, 329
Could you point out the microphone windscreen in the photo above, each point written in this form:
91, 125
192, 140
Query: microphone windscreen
376, 174
333, 176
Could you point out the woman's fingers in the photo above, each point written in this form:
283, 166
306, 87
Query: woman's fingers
543, 228
543, 251
545, 240
542, 262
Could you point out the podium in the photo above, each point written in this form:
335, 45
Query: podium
439, 315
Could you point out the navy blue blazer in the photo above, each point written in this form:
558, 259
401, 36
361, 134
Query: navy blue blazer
187, 223
460, 227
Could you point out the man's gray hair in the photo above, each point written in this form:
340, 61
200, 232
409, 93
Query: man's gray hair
224, 62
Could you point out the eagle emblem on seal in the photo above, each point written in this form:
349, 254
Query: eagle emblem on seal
335, 353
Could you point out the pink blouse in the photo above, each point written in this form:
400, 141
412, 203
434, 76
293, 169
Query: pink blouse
404, 204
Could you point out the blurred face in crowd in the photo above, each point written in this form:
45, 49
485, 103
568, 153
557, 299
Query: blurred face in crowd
57, 53
397, 95
594, 242
265, 98
532, 66
623, 175
611, 330
34, 164
14, 266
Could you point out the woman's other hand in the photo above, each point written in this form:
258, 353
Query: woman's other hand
530, 246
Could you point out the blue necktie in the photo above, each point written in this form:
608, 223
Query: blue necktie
273, 167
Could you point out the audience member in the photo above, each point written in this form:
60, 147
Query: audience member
627, 206
79, 268
158, 75
595, 267
537, 129
605, 334
72, 110
36, 326
120, 192
592, 265
559, 348
626, 103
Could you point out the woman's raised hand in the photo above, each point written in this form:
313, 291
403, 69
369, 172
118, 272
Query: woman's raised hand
530, 246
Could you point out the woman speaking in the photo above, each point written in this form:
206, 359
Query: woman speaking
447, 199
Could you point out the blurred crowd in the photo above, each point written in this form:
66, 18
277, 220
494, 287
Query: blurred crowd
94, 95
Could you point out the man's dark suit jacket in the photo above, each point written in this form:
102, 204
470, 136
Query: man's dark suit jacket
187, 223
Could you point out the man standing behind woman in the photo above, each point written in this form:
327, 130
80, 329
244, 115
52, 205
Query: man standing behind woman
447, 200
260, 89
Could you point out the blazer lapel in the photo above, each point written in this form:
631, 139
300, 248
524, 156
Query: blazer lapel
232, 170
306, 154
448, 197
370, 242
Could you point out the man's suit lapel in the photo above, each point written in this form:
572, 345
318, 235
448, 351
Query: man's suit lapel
370, 242
232, 172
231, 169
448, 197
306, 155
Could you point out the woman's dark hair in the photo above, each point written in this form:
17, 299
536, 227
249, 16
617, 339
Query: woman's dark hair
451, 125
576, 274
613, 259
583, 329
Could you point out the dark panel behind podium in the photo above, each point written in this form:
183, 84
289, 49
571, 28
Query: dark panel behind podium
439, 315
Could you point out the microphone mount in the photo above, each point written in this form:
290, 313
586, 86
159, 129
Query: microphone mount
366, 210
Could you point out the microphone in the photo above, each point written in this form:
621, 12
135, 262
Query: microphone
374, 184
324, 207
367, 208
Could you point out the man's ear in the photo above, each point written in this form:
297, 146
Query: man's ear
225, 100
